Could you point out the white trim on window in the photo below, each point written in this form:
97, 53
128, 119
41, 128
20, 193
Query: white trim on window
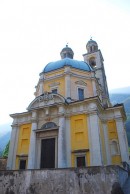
114, 147
80, 155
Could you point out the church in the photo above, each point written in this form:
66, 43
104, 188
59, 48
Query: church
71, 121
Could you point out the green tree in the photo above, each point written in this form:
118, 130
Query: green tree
6, 151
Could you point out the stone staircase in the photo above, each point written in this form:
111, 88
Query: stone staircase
126, 187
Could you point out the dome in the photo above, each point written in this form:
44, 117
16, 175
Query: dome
67, 62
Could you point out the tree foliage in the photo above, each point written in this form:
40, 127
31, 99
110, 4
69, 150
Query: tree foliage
6, 151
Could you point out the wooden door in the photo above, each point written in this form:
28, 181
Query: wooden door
48, 153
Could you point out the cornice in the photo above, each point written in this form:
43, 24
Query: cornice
17, 115
71, 73
19, 123
87, 112
119, 107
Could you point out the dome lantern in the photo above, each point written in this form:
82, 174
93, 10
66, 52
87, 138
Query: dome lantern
67, 52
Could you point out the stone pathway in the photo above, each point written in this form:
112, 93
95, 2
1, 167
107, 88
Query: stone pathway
126, 188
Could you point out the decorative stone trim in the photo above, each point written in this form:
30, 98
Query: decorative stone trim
80, 151
46, 97
54, 84
80, 82
22, 155
47, 130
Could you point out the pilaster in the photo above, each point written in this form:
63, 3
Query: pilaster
122, 140
94, 136
61, 140
94, 88
68, 146
32, 147
13, 148
107, 146
67, 83
41, 87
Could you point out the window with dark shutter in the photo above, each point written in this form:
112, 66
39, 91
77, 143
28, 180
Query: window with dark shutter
54, 91
22, 164
81, 93
80, 161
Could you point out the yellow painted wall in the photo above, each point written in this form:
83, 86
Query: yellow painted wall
116, 159
112, 135
61, 86
112, 131
79, 136
89, 87
23, 142
103, 144
54, 73
80, 72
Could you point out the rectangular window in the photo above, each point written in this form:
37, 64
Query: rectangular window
80, 160
81, 93
54, 91
22, 164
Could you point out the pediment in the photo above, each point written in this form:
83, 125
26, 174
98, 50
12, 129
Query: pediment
80, 82
46, 99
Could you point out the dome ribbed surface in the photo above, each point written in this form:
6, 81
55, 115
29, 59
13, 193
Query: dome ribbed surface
67, 62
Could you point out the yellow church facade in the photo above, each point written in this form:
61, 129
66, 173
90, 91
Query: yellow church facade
70, 122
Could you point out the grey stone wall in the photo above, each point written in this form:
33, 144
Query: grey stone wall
3, 163
91, 180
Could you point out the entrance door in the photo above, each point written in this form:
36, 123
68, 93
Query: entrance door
48, 153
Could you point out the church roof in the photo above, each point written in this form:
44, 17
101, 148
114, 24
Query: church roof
67, 62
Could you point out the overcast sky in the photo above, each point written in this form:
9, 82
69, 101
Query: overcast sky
32, 33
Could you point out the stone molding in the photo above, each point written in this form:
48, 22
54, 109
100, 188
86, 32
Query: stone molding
46, 97
80, 82
71, 74
54, 84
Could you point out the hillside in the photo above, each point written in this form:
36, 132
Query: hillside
125, 99
4, 140
5, 132
125, 90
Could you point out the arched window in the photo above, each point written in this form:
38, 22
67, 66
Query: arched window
49, 125
92, 62
114, 148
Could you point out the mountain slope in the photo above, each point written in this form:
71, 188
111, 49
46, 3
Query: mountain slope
5, 132
4, 140
125, 99
125, 90
5, 128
